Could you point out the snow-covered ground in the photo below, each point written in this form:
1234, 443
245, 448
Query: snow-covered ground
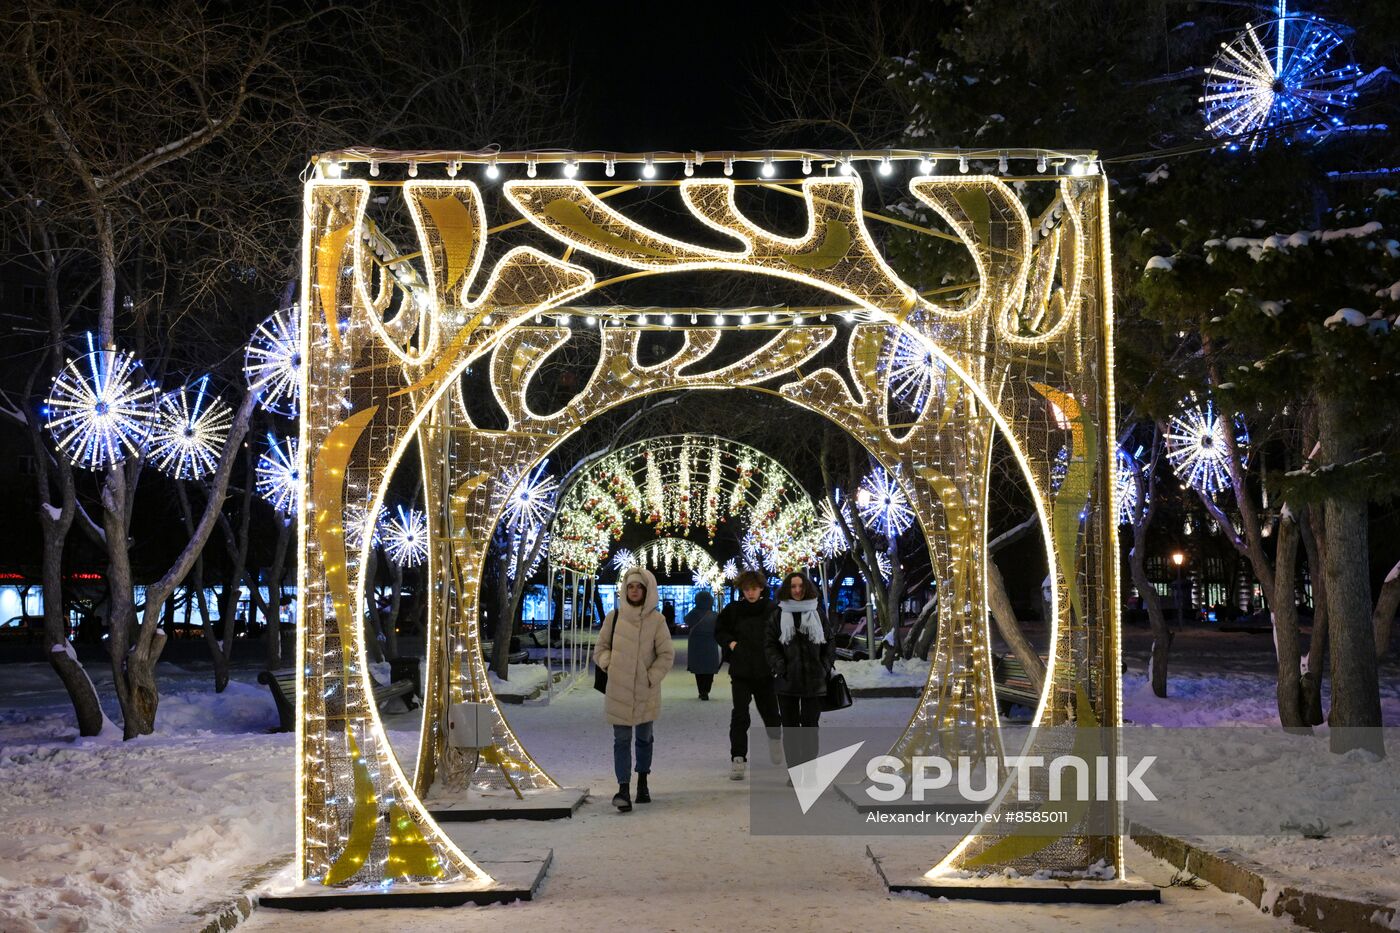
103, 834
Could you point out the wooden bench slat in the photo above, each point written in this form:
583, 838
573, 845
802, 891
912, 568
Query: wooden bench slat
283, 686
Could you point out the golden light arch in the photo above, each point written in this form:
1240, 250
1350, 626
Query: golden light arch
1029, 346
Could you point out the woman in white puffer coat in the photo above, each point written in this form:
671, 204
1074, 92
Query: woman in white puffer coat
635, 649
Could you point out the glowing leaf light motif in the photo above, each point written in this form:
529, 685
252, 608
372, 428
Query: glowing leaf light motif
190, 430
99, 411
883, 505
278, 477
1196, 447
272, 363
1290, 75
406, 537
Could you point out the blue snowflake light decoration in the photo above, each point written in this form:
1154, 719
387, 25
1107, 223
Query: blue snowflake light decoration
279, 477
406, 537
99, 411
191, 427
272, 363
1196, 447
1291, 75
883, 504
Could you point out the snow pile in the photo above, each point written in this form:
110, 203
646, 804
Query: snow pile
525, 680
1159, 263
862, 675
1348, 316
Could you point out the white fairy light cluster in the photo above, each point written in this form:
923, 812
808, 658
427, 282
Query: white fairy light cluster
99, 410
272, 363
406, 537
1196, 446
834, 541
680, 485
191, 427
359, 523
279, 474
883, 504
532, 502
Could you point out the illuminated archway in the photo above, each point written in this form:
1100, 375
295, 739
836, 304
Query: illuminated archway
1026, 350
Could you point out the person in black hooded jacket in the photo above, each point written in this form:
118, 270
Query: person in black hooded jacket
740, 631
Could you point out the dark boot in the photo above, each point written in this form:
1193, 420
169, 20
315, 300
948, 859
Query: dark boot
643, 793
623, 798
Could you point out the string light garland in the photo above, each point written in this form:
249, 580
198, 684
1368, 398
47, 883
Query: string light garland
278, 474
272, 363
190, 430
99, 410
406, 537
1196, 446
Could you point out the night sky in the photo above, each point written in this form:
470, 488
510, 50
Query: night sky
664, 75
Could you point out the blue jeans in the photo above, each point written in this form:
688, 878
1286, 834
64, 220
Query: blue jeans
622, 750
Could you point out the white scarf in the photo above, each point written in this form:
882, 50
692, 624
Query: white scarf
811, 623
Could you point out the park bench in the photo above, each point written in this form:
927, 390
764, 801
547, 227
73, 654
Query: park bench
516, 655
1013, 684
404, 681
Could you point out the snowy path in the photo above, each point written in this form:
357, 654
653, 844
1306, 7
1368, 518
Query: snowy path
107, 835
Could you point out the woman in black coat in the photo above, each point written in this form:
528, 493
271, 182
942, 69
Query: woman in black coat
801, 655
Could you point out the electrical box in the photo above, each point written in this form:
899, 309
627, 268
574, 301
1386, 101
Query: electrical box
469, 725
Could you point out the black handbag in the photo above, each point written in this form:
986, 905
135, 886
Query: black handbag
600, 676
838, 695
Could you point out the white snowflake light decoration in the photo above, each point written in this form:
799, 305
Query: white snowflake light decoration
190, 431
832, 541
272, 363
532, 502
1126, 487
99, 411
358, 523
406, 537
279, 478
730, 570
883, 504
624, 560
1196, 448
1291, 75
915, 373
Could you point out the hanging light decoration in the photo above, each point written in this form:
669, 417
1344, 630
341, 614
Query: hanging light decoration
832, 541
528, 542
272, 363
624, 560
532, 502
278, 475
191, 427
1059, 468
359, 522
730, 570
1126, 487
883, 504
1291, 76
406, 537
916, 375
1196, 446
99, 411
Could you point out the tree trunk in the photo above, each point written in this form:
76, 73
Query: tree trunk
1386, 604
62, 658
1291, 707
1315, 664
1010, 629
1356, 699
